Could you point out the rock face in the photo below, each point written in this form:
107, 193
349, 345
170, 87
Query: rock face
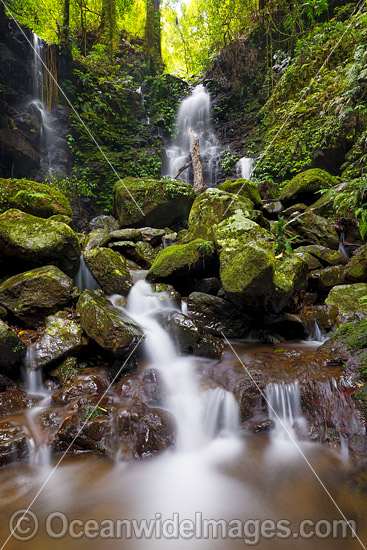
12, 350
189, 335
182, 261
216, 315
36, 241
108, 223
140, 202
62, 336
243, 188
356, 270
304, 186
311, 229
109, 269
33, 295
34, 198
106, 325
350, 299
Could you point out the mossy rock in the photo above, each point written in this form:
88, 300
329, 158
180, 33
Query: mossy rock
325, 255
356, 270
107, 325
12, 349
34, 198
33, 295
329, 277
237, 230
141, 202
139, 252
62, 219
304, 186
182, 261
243, 188
62, 336
96, 238
290, 275
109, 270
312, 262
350, 299
36, 241
311, 229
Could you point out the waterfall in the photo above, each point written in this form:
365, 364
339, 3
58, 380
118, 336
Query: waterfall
316, 334
37, 102
342, 248
200, 416
284, 405
244, 167
84, 280
194, 112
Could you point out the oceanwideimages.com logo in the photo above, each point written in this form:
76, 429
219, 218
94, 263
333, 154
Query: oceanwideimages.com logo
24, 525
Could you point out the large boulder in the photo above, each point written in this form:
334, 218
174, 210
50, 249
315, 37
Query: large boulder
323, 254
107, 325
243, 188
109, 269
216, 315
36, 241
290, 275
12, 350
142, 253
305, 186
307, 228
140, 202
37, 199
182, 261
190, 336
33, 295
350, 299
62, 336
356, 270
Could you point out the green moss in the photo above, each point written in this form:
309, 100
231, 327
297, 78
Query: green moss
350, 299
109, 269
304, 186
354, 335
242, 188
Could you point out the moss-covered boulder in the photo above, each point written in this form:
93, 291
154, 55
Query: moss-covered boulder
33, 295
140, 202
217, 316
312, 262
108, 223
95, 239
356, 270
325, 255
243, 188
290, 275
304, 186
12, 351
37, 199
36, 241
182, 261
109, 269
307, 228
326, 278
142, 253
237, 230
62, 336
350, 299
107, 325
62, 219
130, 234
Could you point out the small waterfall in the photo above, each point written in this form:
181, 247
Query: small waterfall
194, 112
84, 280
284, 403
316, 334
342, 248
244, 167
200, 416
37, 102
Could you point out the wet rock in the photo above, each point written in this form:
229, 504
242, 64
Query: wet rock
96, 239
209, 285
34, 198
324, 205
34, 294
325, 255
328, 277
259, 425
325, 315
357, 445
146, 387
133, 235
107, 223
347, 342
12, 350
13, 443
62, 336
106, 325
36, 241
66, 370
243, 188
153, 236
142, 253
268, 190
273, 209
109, 269
294, 209
182, 261
311, 229
217, 315
350, 299
287, 325
168, 290
139, 202
356, 270
189, 335
88, 382
12, 400
312, 262
143, 431
304, 186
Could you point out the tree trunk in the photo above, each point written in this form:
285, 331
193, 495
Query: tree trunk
153, 34
196, 161
65, 42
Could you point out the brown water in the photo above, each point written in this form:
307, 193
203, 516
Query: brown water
250, 477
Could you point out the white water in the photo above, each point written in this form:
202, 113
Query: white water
316, 334
37, 102
194, 112
84, 280
245, 167
342, 248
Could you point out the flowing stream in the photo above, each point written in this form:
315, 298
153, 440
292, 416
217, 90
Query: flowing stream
217, 473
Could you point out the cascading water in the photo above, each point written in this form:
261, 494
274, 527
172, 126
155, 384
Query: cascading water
37, 102
194, 112
284, 406
245, 167
342, 248
84, 280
